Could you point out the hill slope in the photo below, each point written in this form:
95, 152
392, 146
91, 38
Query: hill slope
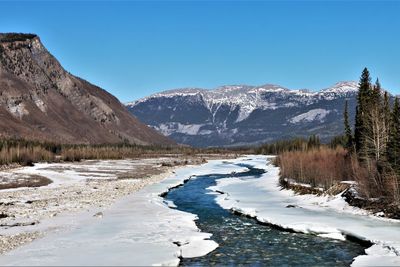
40, 100
243, 115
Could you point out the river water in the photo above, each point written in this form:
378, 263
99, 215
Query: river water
243, 241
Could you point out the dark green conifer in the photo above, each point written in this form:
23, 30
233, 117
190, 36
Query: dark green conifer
363, 101
387, 112
376, 93
347, 129
394, 137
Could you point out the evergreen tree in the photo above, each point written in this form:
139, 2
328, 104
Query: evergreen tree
357, 130
363, 101
394, 137
347, 129
376, 92
339, 140
386, 111
313, 142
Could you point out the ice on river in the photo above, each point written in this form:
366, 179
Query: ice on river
142, 229
138, 230
330, 217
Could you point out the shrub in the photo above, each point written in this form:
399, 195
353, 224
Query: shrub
325, 167
321, 167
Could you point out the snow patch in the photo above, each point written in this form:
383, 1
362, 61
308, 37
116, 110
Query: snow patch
71, 173
205, 132
317, 114
342, 88
378, 255
176, 127
41, 105
17, 109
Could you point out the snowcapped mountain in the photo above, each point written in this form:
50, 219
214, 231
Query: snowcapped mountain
242, 114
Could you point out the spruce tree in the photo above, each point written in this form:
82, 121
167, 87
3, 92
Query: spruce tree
394, 137
386, 111
357, 129
376, 92
363, 101
347, 129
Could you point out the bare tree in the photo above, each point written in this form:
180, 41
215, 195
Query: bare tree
377, 134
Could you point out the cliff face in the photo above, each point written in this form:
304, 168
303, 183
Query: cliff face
40, 100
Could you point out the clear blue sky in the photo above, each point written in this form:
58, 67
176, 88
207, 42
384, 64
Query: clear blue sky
135, 48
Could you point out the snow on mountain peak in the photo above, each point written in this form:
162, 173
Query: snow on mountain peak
237, 94
169, 93
248, 98
342, 87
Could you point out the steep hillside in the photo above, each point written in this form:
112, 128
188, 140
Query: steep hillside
40, 100
242, 115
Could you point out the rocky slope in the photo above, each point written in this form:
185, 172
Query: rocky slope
40, 100
243, 115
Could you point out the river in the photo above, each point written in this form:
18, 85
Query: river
141, 230
244, 241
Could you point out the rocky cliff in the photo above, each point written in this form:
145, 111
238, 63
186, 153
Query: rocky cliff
42, 101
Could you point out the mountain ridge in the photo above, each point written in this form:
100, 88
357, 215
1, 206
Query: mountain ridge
40, 100
341, 86
242, 114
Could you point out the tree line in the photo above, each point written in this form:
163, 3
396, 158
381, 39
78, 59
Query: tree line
375, 141
26, 152
368, 152
295, 144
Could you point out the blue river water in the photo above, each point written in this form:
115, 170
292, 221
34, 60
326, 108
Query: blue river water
243, 241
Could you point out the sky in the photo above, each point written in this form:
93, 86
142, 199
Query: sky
136, 48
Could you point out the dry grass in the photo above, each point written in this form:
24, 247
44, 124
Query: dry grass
25, 152
325, 167
321, 167
24, 155
375, 180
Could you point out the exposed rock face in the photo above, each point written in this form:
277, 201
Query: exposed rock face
40, 100
246, 115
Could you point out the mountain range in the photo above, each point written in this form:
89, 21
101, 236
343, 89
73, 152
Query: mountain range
40, 100
246, 115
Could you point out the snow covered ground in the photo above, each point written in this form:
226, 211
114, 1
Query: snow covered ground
72, 173
330, 217
138, 230
141, 229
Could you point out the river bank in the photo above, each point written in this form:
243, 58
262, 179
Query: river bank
73, 188
139, 229
349, 191
324, 216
